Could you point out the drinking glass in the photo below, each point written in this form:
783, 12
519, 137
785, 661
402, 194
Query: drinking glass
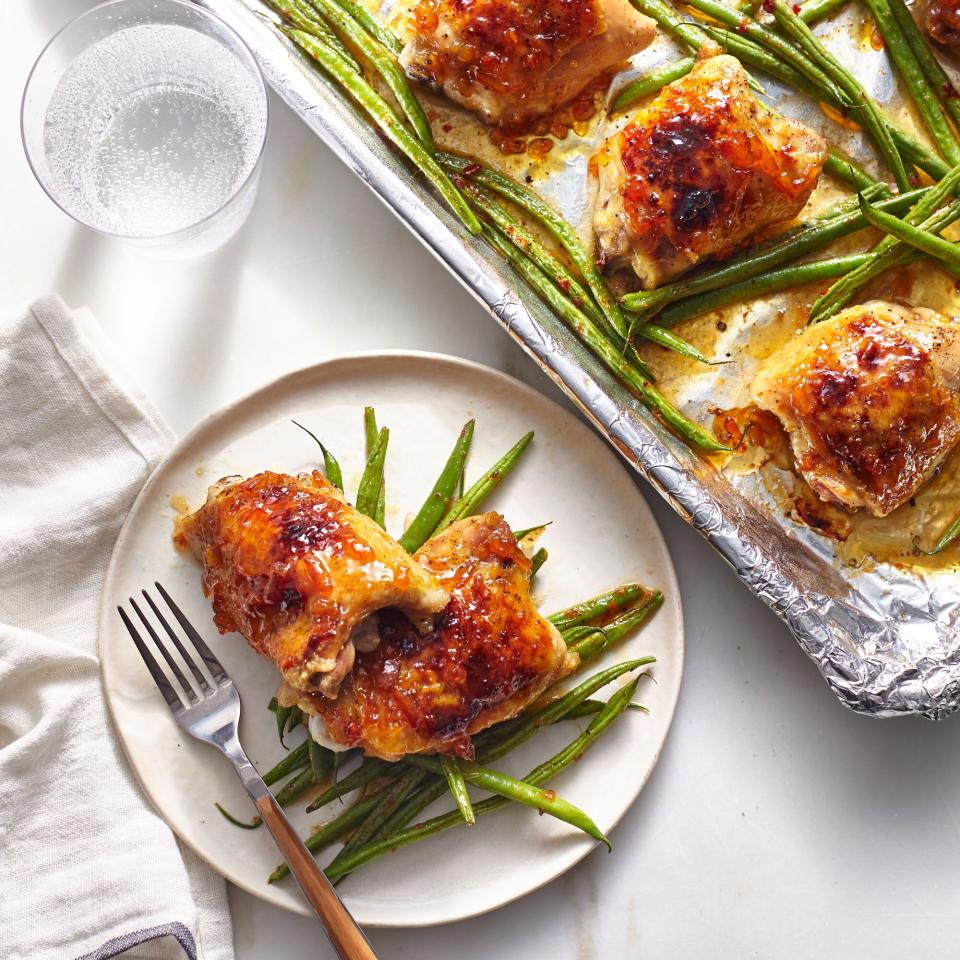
146, 120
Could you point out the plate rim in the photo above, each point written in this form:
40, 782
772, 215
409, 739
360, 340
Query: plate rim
106, 605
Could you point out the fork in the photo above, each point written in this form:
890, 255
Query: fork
209, 710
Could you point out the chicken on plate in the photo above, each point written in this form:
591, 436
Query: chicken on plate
869, 400
697, 172
511, 61
489, 655
396, 654
298, 571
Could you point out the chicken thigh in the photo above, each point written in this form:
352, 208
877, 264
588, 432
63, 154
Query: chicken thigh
942, 20
489, 656
697, 172
869, 399
511, 61
296, 569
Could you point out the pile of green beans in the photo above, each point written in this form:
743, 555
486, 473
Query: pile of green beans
394, 793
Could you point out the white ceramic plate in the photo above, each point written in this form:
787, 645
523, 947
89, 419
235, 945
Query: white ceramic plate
602, 533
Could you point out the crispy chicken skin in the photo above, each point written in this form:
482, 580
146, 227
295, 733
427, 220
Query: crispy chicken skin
942, 20
697, 172
511, 61
489, 656
869, 399
295, 569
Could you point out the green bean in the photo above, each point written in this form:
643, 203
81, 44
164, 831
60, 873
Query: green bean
611, 357
537, 777
917, 237
373, 26
368, 771
915, 80
558, 709
786, 53
886, 253
502, 739
946, 538
814, 236
601, 605
518, 790
590, 647
669, 340
390, 798
846, 171
382, 61
321, 760
386, 121
450, 767
813, 11
296, 759
242, 824
870, 116
441, 496
467, 505
590, 708
542, 212
295, 788
756, 55
536, 251
526, 531
332, 830
651, 82
371, 481
287, 718
537, 561
671, 22
777, 280
330, 466
939, 80
301, 15
371, 433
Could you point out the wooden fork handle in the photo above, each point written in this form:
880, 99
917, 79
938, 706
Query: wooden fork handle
347, 938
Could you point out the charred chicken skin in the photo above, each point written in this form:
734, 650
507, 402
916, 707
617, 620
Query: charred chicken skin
869, 399
511, 61
697, 172
295, 569
489, 655
942, 20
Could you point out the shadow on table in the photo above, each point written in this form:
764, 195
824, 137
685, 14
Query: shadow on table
199, 323
51, 15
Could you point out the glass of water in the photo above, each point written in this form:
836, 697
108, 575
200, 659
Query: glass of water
146, 120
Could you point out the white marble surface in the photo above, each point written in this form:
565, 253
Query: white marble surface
777, 825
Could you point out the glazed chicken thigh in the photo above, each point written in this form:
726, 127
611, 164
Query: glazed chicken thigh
489, 656
296, 569
869, 399
511, 61
697, 172
942, 20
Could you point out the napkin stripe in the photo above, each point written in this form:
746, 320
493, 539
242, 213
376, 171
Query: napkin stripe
118, 945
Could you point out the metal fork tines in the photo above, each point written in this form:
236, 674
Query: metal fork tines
208, 708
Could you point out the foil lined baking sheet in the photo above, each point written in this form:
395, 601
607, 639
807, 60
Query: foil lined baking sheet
886, 641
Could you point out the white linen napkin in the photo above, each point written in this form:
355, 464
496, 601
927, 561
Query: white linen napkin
87, 869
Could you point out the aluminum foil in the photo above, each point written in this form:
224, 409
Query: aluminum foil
885, 641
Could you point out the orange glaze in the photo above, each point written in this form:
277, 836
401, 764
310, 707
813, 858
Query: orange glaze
942, 20
691, 168
488, 656
294, 568
531, 135
501, 43
875, 409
